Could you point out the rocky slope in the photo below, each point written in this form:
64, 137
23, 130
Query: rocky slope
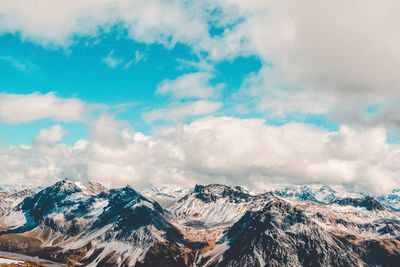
85, 224
10, 200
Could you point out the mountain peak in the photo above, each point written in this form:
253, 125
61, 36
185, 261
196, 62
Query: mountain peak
212, 192
88, 188
318, 193
367, 202
213, 224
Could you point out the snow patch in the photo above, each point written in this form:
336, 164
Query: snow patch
15, 219
10, 261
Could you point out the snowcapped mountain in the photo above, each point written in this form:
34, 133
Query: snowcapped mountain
167, 195
315, 193
282, 234
268, 230
212, 205
86, 224
329, 195
391, 200
58, 207
12, 189
92, 226
10, 200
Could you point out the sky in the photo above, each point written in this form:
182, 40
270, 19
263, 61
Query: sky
178, 92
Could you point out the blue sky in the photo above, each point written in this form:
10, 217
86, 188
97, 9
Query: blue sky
252, 93
80, 72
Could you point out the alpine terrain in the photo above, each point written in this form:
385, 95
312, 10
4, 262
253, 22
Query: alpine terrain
86, 224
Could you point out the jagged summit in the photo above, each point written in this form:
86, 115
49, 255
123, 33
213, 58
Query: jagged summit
9, 200
306, 193
392, 200
166, 195
212, 192
90, 188
315, 193
326, 195
216, 204
278, 235
367, 202
86, 224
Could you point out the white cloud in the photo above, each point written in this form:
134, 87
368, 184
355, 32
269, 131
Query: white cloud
20, 108
201, 65
144, 20
260, 91
105, 130
112, 61
342, 54
50, 135
178, 111
191, 85
138, 57
195, 86
336, 58
239, 151
309, 44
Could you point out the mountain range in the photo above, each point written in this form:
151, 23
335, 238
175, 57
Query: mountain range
87, 224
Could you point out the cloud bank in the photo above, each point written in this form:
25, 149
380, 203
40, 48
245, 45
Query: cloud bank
237, 151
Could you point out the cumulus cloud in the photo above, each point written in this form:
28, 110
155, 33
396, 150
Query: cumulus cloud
309, 43
260, 91
238, 151
191, 85
344, 54
20, 108
313, 44
50, 135
248, 151
144, 20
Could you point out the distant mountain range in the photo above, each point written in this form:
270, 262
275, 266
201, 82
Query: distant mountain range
86, 224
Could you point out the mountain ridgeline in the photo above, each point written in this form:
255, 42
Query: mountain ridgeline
86, 224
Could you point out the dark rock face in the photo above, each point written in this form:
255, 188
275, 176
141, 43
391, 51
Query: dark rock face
129, 217
120, 227
367, 202
386, 253
119, 206
271, 237
282, 235
305, 193
128, 211
392, 200
211, 193
9, 200
56, 199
